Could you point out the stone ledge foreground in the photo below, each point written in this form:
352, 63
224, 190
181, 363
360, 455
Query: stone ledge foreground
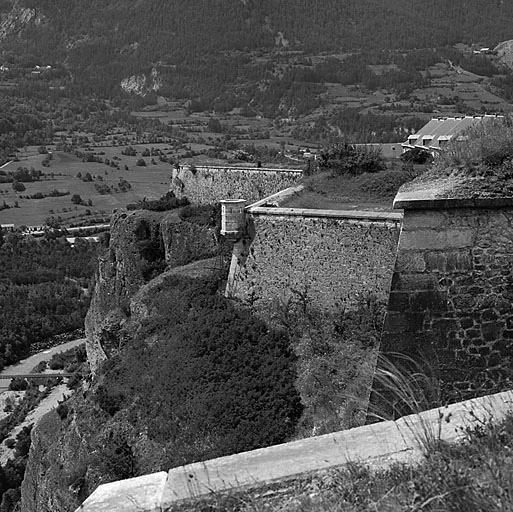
376, 445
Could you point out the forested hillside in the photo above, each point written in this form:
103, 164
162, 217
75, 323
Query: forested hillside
103, 41
169, 29
43, 291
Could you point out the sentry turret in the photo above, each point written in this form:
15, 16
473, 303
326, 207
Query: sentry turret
233, 219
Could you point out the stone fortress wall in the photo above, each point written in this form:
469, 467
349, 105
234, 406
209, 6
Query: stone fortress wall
450, 303
327, 258
210, 184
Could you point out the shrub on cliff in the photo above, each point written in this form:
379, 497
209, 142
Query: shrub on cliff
165, 203
213, 380
336, 353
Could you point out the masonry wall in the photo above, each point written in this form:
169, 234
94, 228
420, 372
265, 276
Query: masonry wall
323, 277
207, 185
327, 259
450, 302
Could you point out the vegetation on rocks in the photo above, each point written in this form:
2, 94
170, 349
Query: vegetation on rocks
211, 382
336, 354
167, 202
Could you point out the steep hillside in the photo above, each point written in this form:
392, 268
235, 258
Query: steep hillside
106, 41
188, 377
159, 28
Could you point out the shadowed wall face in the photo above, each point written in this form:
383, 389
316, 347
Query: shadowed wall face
450, 300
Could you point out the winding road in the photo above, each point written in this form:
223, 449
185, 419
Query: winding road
28, 364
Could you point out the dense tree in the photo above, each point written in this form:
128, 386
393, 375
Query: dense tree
18, 186
41, 290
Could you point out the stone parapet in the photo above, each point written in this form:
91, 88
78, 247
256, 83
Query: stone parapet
329, 254
348, 215
378, 445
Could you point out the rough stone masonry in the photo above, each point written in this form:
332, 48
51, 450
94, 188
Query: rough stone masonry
209, 185
450, 304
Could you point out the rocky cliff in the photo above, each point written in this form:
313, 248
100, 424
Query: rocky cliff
83, 445
142, 244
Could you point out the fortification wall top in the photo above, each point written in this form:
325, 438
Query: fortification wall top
209, 184
380, 445
454, 192
230, 168
349, 215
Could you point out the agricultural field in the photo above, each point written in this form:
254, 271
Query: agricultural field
67, 172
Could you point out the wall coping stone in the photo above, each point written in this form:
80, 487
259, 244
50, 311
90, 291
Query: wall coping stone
278, 198
332, 214
448, 192
143, 494
377, 445
250, 169
407, 203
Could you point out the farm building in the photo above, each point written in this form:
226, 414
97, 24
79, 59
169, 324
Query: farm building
439, 131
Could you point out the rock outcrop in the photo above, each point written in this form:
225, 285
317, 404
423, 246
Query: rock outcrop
18, 18
142, 84
142, 244
73, 451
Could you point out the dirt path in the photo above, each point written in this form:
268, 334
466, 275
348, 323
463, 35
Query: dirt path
28, 364
50, 402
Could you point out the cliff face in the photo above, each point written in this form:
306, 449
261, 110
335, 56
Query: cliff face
73, 452
142, 244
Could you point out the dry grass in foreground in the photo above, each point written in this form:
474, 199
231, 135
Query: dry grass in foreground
473, 476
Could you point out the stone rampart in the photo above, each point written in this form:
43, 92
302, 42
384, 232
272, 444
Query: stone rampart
323, 277
209, 184
328, 258
450, 305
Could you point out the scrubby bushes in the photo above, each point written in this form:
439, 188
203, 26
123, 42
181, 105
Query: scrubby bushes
213, 381
166, 202
350, 159
386, 183
337, 350
417, 156
18, 384
12, 473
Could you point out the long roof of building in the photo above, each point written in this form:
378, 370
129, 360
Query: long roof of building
442, 129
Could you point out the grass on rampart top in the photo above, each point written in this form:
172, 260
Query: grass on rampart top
484, 149
368, 191
475, 475
480, 159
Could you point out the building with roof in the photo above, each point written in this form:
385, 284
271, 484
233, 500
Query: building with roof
439, 131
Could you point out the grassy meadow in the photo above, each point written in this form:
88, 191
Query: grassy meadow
150, 181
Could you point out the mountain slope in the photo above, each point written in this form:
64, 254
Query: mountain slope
120, 37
